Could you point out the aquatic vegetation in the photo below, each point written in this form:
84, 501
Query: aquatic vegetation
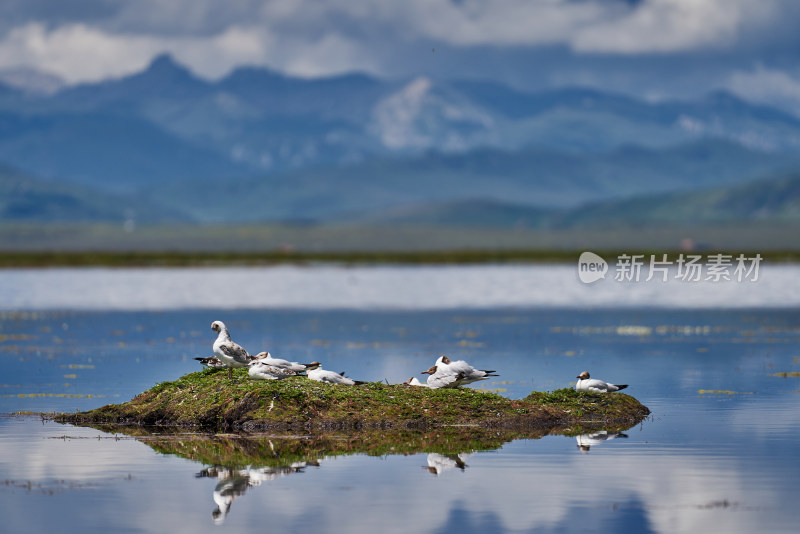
723, 392
209, 400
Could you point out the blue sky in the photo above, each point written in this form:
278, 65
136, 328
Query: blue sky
652, 48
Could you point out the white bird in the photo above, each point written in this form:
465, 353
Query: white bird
230, 353
212, 362
597, 386
468, 374
321, 375
441, 378
264, 371
414, 382
266, 357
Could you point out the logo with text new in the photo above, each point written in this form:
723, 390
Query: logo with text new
591, 267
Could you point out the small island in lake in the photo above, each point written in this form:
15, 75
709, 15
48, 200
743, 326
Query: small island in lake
209, 401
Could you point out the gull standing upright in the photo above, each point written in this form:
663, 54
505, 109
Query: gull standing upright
230, 353
597, 386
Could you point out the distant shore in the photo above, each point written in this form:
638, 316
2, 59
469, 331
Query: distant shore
45, 259
82, 244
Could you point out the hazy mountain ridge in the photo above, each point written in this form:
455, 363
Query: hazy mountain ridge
25, 199
260, 146
769, 199
256, 120
530, 177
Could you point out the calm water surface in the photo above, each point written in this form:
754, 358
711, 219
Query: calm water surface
719, 453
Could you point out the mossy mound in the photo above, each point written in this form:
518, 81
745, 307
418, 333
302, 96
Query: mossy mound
210, 401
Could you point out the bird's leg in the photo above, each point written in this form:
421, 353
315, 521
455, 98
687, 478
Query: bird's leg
230, 373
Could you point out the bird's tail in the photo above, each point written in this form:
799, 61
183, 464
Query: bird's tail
621, 386
489, 372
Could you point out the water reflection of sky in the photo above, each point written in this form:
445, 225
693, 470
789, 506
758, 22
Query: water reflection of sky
718, 454
383, 287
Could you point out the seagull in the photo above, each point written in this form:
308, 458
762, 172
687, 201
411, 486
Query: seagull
439, 378
414, 382
266, 357
229, 353
264, 371
597, 386
212, 362
468, 373
321, 375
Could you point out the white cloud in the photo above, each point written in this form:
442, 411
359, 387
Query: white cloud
311, 38
769, 86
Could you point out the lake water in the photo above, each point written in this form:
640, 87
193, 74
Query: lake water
718, 454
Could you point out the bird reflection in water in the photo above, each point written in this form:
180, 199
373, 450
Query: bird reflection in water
586, 441
438, 463
235, 482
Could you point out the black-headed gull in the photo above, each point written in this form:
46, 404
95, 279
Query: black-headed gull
597, 386
441, 378
230, 353
264, 371
413, 381
212, 362
266, 357
321, 375
467, 373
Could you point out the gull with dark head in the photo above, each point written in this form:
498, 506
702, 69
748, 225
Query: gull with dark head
230, 353
586, 383
321, 375
439, 377
413, 381
466, 373
266, 357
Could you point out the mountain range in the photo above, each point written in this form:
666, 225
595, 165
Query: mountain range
164, 145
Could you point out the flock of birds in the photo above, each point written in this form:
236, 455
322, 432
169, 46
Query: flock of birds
445, 373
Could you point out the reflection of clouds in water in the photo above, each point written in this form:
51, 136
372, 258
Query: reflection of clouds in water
386, 287
776, 418
523, 486
525, 492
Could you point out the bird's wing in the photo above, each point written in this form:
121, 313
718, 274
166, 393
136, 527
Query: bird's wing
442, 380
235, 351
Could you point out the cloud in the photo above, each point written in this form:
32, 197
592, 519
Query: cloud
769, 86
311, 38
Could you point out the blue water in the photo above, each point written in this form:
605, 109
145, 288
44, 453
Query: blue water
718, 453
